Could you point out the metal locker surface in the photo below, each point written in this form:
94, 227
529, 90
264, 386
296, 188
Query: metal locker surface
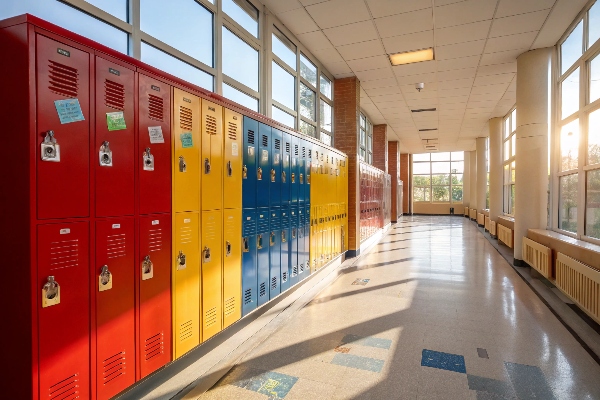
63, 328
308, 171
232, 266
262, 250
62, 163
276, 168
286, 243
186, 151
211, 264
211, 161
154, 146
286, 171
232, 162
113, 278
263, 170
306, 250
295, 181
301, 170
294, 271
114, 139
301, 264
314, 234
249, 172
274, 252
154, 266
185, 281
249, 266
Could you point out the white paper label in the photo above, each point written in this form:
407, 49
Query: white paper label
116, 226
187, 221
234, 149
155, 222
65, 231
265, 155
156, 135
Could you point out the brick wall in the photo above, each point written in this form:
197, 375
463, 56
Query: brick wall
405, 177
393, 170
380, 146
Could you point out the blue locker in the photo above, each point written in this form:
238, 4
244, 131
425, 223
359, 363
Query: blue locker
307, 169
249, 167
249, 271
302, 170
262, 258
306, 247
286, 173
275, 253
295, 169
285, 248
263, 170
302, 267
276, 168
294, 277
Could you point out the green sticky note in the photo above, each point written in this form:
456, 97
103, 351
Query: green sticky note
115, 121
186, 140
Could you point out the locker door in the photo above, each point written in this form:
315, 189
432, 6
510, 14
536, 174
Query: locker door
262, 250
212, 273
249, 175
301, 170
275, 253
186, 146
308, 171
232, 266
306, 249
154, 265
114, 141
212, 156
62, 163
264, 166
232, 162
294, 278
113, 277
295, 181
154, 146
63, 316
301, 264
249, 267
185, 275
284, 277
286, 173
276, 168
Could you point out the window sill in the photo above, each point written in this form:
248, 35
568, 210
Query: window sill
507, 221
586, 252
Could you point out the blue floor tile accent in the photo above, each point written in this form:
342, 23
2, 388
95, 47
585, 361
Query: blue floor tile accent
367, 341
447, 361
529, 382
500, 389
364, 363
272, 384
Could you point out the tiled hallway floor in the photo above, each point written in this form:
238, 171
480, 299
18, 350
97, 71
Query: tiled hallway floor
442, 316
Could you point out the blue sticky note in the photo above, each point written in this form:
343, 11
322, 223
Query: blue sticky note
69, 111
186, 140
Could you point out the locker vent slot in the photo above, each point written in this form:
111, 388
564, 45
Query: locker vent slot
210, 317
65, 389
248, 296
211, 230
277, 144
185, 116
186, 330
211, 125
287, 148
64, 254
63, 79
303, 152
185, 235
232, 131
274, 282
295, 150
155, 240
155, 107
154, 346
295, 270
113, 367
114, 95
229, 306
263, 290
265, 141
301, 268
284, 277
115, 245
309, 153
250, 137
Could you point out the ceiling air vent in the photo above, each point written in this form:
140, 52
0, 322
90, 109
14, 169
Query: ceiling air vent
423, 110
427, 129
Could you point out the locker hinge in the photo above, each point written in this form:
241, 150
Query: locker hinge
50, 148
148, 160
147, 269
105, 280
105, 155
50, 293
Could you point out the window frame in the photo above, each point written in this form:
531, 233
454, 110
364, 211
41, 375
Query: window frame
450, 185
367, 146
510, 162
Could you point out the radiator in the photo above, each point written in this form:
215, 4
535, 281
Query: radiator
539, 257
466, 211
480, 219
487, 223
473, 213
493, 228
505, 235
580, 282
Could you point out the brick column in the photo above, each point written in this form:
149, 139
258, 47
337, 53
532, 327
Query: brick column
394, 171
346, 114
380, 147
405, 177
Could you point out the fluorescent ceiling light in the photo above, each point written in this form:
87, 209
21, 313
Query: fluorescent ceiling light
412, 57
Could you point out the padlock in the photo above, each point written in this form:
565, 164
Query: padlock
308, 179
50, 148
50, 293
293, 177
206, 255
302, 179
293, 233
244, 172
259, 242
283, 176
206, 166
259, 174
283, 238
105, 279
272, 175
182, 164
181, 261
105, 155
147, 269
148, 160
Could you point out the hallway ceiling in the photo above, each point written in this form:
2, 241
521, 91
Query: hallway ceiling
473, 76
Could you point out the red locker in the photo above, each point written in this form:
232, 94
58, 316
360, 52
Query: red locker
114, 140
154, 146
61, 146
63, 316
154, 265
113, 279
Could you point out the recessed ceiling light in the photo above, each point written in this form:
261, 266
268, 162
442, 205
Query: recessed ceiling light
410, 57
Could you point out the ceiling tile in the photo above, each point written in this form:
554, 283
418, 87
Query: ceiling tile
457, 74
415, 69
406, 80
511, 42
518, 23
512, 7
455, 99
279, 6
409, 42
501, 57
337, 68
452, 106
482, 104
315, 40
457, 83
328, 56
561, 16
452, 92
382, 8
369, 63
338, 12
458, 63
298, 21
464, 12
462, 33
386, 98
353, 33
309, 2
486, 97
392, 89
361, 50
493, 79
459, 50
375, 74
497, 69
402, 24
379, 83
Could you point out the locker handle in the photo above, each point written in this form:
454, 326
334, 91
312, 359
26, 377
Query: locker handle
294, 233
259, 173
182, 164
229, 169
272, 175
147, 269
283, 238
227, 249
105, 155
206, 254
50, 148
259, 242
50, 293
181, 263
105, 279
244, 172
302, 179
272, 239
246, 245
206, 166
148, 159
283, 176
293, 177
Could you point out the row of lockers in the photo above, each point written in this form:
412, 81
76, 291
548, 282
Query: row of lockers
374, 210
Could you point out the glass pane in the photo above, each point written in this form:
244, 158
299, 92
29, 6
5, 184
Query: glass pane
572, 48
307, 102
240, 97
457, 194
440, 179
513, 145
369, 143
422, 194
506, 127
421, 180
116, 8
326, 138
283, 117
308, 70
595, 79
567, 209
457, 167
284, 49
592, 204
512, 199
308, 129
326, 116
570, 94
457, 179
458, 155
513, 120
243, 13
506, 174
421, 168
569, 146
176, 67
594, 24
441, 193
440, 156
325, 86
422, 157
240, 61
363, 154
363, 121
284, 86
506, 150
594, 138
440, 167
165, 19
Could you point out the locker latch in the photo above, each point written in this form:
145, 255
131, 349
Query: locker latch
182, 164
246, 245
105, 155
50, 148
227, 249
244, 172
293, 177
259, 242
105, 281
259, 174
293, 233
272, 175
206, 255
302, 179
180, 261
229, 169
148, 160
50, 293
308, 179
206, 166
283, 176
283, 238
272, 239
147, 268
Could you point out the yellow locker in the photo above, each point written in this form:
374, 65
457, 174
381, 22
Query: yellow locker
313, 236
185, 283
232, 266
212, 156
212, 274
232, 162
186, 151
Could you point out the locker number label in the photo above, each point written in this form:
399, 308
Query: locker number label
234, 149
156, 134
265, 155
65, 231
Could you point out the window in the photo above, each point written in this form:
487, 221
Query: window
366, 140
284, 86
240, 97
240, 53
284, 49
487, 173
325, 87
308, 70
283, 117
117, 8
242, 12
509, 153
438, 177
